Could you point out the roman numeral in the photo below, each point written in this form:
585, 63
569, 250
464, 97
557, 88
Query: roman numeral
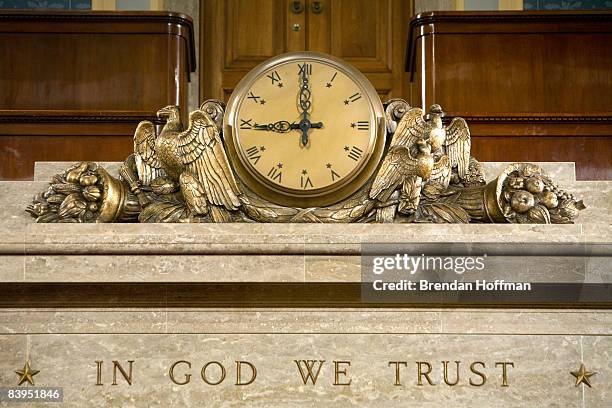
363, 125
334, 175
254, 154
274, 174
305, 182
354, 97
246, 124
275, 78
355, 153
305, 68
253, 97
329, 84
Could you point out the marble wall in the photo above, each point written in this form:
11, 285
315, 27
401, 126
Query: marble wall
540, 348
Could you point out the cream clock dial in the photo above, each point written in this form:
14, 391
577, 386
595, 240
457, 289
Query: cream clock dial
304, 129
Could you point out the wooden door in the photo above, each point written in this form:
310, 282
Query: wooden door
239, 34
369, 34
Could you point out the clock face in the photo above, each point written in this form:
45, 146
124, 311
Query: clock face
305, 129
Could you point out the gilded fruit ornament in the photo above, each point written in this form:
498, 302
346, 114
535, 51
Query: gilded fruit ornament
522, 201
549, 199
534, 185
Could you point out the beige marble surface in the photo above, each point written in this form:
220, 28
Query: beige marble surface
304, 320
64, 344
540, 376
272, 252
561, 171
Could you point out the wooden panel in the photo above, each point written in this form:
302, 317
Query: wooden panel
28, 137
237, 35
532, 75
360, 33
368, 34
84, 72
75, 84
21, 152
254, 31
94, 60
592, 155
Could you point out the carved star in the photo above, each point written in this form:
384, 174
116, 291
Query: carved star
346, 102
304, 172
582, 375
262, 148
353, 125
263, 102
280, 85
346, 148
279, 165
328, 165
329, 85
26, 374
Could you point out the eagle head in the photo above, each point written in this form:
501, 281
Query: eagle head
168, 112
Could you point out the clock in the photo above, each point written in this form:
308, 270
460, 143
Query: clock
304, 129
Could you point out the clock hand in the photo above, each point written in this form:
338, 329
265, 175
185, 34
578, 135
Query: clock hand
282, 126
305, 105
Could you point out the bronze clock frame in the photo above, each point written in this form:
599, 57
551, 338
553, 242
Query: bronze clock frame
292, 197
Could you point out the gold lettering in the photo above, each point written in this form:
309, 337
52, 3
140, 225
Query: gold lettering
99, 372
480, 374
206, 378
239, 373
397, 370
337, 372
127, 377
504, 372
187, 376
309, 366
445, 363
424, 374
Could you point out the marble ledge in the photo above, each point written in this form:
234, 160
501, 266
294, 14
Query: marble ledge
311, 269
295, 239
279, 320
19, 235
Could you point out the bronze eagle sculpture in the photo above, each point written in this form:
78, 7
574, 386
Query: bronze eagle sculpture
192, 160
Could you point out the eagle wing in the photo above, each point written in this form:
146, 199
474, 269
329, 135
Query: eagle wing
202, 152
148, 165
397, 165
458, 144
409, 129
194, 194
441, 172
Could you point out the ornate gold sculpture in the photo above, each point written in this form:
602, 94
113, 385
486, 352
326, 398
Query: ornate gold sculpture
184, 175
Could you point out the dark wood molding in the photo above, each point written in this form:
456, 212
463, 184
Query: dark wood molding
75, 116
605, 119
21, 295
